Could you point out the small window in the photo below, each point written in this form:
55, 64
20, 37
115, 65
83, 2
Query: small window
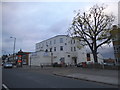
50, 49
54, 48
71, 41
61, 48
74, 41
114, 48
88, 57
54, 41
74, 48
71, 48
68, 55
61, 40
43, 45
46, 50
50, 42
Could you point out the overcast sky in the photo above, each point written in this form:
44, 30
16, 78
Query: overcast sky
33, 22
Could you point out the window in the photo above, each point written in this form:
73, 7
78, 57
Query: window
71, 49
71, 41
42, 44
50, 49
54, 41
46, 50
74, 48
37, 46
46, 44
88, 56
61, 48
114, 48
61, 40
117, 50
68, 55
50, 42
54, 48
74, 41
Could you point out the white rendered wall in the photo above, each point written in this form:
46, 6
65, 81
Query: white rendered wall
39, 58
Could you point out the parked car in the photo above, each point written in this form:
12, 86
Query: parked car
56, 64
79, 65
8, 65
109, 64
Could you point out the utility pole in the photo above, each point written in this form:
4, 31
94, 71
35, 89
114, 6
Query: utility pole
13, 46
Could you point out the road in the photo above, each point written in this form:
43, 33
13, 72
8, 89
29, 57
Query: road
20, 78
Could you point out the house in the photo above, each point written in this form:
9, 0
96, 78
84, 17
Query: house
16, 57
115, 33
60, 49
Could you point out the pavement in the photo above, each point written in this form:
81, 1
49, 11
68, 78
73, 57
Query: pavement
89, 74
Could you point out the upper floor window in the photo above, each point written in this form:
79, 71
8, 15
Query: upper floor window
61, 48
50, 49
54, 41
37, 46
71, 41
61, 40
50, 42
46, 44
42, 44
71, 49
54, 48
74, 48
74, 40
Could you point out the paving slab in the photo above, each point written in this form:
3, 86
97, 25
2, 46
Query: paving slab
103, 79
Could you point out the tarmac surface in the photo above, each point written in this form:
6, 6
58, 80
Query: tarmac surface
90, 74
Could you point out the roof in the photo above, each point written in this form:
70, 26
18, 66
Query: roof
54, 37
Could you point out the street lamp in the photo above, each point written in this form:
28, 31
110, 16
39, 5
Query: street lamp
14, 46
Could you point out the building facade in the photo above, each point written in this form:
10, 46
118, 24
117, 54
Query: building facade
116, 42
60, 49
24, 58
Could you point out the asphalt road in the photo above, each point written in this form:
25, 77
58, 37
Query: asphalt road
20, 78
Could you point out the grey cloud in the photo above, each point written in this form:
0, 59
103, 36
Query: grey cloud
107, 52
34, 22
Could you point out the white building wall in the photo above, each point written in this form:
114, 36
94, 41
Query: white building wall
39, 57
81, 56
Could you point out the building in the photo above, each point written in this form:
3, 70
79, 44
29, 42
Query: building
119, 14
24, 57
60, 49
109, 60
115, 32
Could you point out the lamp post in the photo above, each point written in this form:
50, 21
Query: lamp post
13, 46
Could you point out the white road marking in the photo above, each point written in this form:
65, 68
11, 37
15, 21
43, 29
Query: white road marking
5, 86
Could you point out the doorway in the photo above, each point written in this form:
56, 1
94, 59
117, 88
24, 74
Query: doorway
74, 60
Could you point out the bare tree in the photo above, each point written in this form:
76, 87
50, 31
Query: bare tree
92, 28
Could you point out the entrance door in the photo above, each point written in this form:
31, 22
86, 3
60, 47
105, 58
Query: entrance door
74, 60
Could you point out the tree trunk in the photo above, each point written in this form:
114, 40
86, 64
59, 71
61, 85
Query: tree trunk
95, 56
